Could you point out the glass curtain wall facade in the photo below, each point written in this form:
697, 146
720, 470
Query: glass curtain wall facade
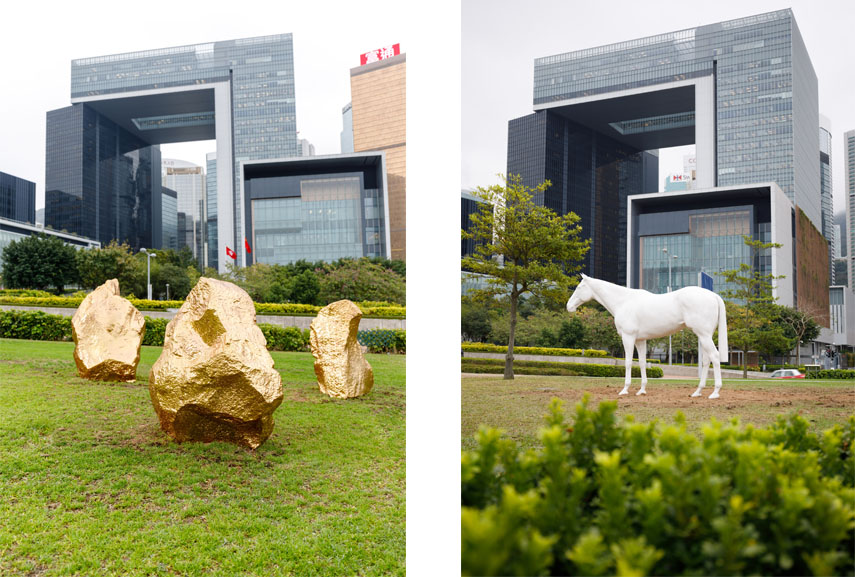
101, 181
188, 181
849, 182
17, 198
211, 210
169, 211
827, 198
591, 175
259, 73
766, 96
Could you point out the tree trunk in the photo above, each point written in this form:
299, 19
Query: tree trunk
509, 356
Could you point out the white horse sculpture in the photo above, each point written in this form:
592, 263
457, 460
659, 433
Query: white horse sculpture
640, 315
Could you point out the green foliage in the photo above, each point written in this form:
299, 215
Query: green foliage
606, 498
831, 374
39, 262
488, 348
496, 366
474, 321
34, 325
98, 265
361, 280
155, 329
540, 249
24, 293
383, 340
285, 338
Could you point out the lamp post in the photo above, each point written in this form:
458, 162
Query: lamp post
674, 256
167, 291
149, 256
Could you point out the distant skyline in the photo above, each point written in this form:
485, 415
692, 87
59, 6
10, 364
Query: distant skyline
502, 38
327, 45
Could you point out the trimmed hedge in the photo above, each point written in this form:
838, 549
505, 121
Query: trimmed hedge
155, 329
383, 340
285, 338
489, 348
497, 366
34, 325
831, 374
370, 309
603, 497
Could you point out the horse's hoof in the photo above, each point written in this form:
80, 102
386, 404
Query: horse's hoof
640, 393
696, 394
623, 393
714, 395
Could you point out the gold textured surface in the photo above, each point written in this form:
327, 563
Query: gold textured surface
107, 331
215, 380
341, 369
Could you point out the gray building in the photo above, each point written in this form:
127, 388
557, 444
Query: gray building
103, 157
212, 258
169, 218
744, 92
15, 230
17, 198
188, 181
319, 208
849, 168
827, 192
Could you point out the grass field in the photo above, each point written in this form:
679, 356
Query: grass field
90, 485
518, 406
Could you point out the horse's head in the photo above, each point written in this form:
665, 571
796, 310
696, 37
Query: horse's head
580, 296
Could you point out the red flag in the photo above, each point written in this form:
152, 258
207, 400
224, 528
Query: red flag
246, 244
232, 254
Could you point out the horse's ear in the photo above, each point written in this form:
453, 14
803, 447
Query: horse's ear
584, 275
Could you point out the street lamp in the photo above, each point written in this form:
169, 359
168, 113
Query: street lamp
149, 256
673, 256
167, 291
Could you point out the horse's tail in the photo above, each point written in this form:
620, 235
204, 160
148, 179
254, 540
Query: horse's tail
722, 331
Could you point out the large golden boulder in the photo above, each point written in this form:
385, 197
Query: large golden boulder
341, 369
215, 380
107, 331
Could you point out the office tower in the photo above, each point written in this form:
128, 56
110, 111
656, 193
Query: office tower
103, 158
17, 198
378, 91
826, 191
169, 218
744, 92
188, 181
347, 129
849, 183
211, 242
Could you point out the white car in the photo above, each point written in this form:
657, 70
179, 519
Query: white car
786, 374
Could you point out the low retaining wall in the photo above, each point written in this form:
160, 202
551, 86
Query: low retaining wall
280, 320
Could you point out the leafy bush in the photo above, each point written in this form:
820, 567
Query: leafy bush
497, 366
24, 293
285, 338
602, 498
383, 340
488, 348
155, 329
831, 374
34, 325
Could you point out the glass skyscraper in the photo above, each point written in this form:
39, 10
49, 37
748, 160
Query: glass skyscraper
239, 92
826, 192
743, 91
17, 198
211, 209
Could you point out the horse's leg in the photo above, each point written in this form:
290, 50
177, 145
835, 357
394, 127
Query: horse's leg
642, 363
711, 353
628, 345
703, 369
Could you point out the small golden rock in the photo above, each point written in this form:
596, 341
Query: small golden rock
341, 369
215, 379
107, 331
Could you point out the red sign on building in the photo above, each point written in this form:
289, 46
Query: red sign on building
379, 54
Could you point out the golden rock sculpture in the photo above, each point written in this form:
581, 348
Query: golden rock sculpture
341, 369
215, 380
107, 331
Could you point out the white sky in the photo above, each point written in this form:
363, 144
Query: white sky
501, 39
38, 45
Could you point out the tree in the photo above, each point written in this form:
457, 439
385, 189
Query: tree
361, 280
799, 325
98, 265
750, 314
305, 288
39, 262
474, 321
522, 248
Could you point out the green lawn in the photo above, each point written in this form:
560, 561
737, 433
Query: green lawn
518, 406
90, 485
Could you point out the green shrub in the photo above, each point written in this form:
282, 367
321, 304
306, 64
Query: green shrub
34, 325
383, 340
603, 498
497, 366
155, 329
24, 293
285, 338
831, 374
489, 348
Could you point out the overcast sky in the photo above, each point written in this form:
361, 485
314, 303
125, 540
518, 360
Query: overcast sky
38, 45
501, 39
